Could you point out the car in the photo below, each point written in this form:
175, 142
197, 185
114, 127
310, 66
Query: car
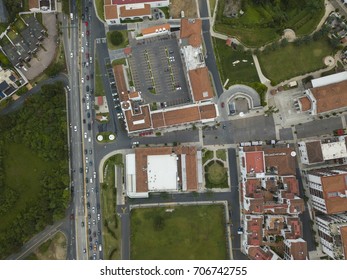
85, 136
90, 239
86, 23
93, 209
68, 88
99, 232
84, 120
84, 250
82, 50
89, 217
87, 32
86, 43
156, 16
82, 32
91, 76
89, 126
81, 170
87, 89
75, 128
91, 59
88, 114
89, 139
86, 9
82, 80
222, 104
91, 180
94, 223
82, 224
71, 55
98, 217
87, 95
94, 174
90, 152
85, 151
88, 106
88, 204
87, 77
171, 52
90, 247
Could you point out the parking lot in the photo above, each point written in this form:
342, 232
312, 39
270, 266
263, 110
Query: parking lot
157, 71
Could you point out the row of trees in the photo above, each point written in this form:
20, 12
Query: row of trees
41, 126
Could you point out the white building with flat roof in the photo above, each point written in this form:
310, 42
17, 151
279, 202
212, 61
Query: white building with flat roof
331, 79
162, 172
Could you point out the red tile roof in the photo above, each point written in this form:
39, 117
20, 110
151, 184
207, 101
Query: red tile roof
139, 121
257, 253
343, 231
145, 11
155, 28
292, 183
34, 4
255, 162
332, 186
110, 11
201, 84
305, 103
254, 230
191, 30
298, 250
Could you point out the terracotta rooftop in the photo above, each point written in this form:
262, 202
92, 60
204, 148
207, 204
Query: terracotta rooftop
305, 103
254, 230
298, 250
207, 111
110, 11
145, 11
256, 205
296, 206
330, 97
292, 183
343, 231
155, 29
120, 82
191, 30
296, 228
108, 2
281, 159
251, 186
141, 164
201, 84
33, 4
257, 253
314, 151
255, 162
125, 2
332, 186
139, 121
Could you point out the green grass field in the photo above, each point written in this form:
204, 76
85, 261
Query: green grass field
216, 175
98, 83
189, 232
99, 4
120, 46
23, 171
221, 154
257, 26
242, 72
290, 61
111, 226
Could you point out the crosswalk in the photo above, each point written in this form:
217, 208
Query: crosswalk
100, 40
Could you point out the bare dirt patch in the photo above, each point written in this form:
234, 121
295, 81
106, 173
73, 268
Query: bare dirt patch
188, 6
53, 249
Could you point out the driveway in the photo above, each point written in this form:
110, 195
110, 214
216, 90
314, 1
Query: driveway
45, 56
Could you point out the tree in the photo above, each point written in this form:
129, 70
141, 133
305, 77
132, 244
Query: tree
116, 38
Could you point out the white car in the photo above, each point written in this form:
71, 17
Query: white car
85, 135
94, 174
88, 106
93, 209
75, 128
82, 34
89, 139
71, 55
98, 217
82, 80
82, 50
91, 180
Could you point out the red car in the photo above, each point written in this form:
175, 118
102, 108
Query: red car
87, 32
86, 23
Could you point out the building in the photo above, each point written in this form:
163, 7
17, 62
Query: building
117, 10
328, 189
270, 202
332, 231
163, 169
42, 5
268, 183
319, 151
140, 118
327, 95
10, 82
295, 249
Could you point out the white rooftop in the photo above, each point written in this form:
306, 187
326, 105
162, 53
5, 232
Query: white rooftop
162, 172
334, 150
331, 79
192, 57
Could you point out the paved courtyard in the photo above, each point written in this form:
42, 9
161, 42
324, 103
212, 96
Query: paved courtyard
157, 70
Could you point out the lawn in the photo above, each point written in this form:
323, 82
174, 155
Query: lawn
124, 43
19, 24
111, 228
242, 72
185, 233
23, 172
221, 154
261, 23
290, 61
216, 175
99, 4
212, 6
206, 155
99, 85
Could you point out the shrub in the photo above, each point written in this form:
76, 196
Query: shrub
116, 38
